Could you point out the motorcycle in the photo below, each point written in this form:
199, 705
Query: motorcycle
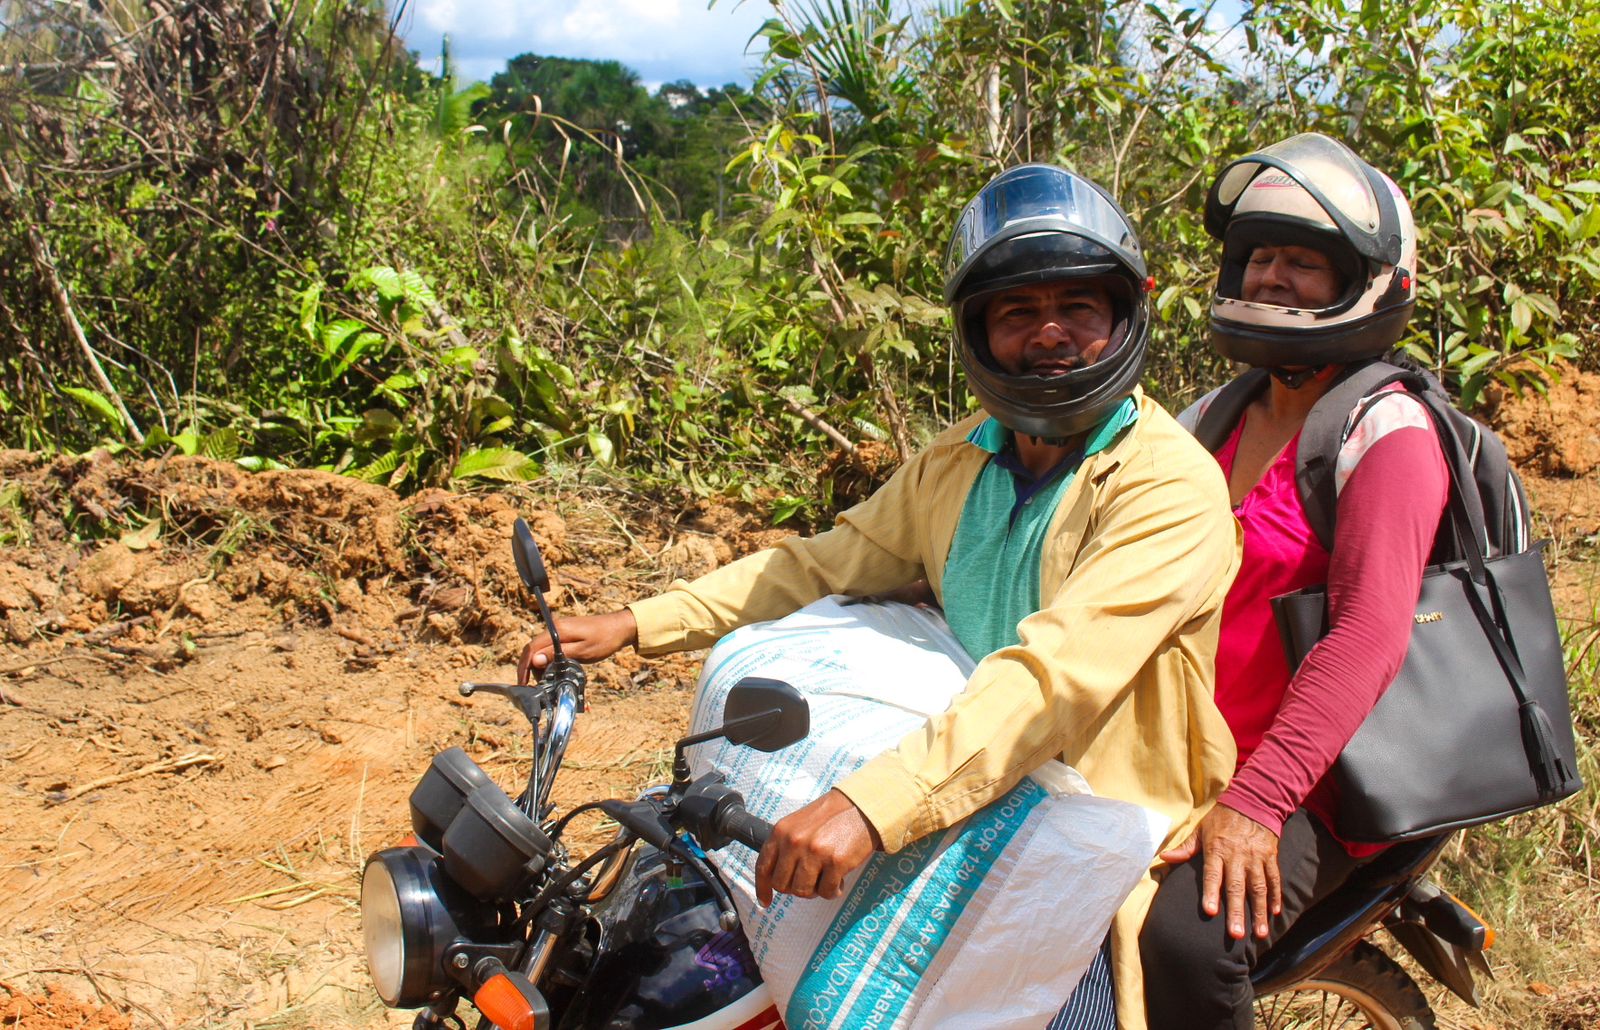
484, 901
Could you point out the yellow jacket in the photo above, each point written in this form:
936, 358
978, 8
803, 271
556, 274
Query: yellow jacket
1114, 675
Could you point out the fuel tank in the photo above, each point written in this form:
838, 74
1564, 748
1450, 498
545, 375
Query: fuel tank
661, 960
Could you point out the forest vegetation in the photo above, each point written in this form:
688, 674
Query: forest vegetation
263, 232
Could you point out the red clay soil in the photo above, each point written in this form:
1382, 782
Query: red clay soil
1553, 438
57, 1009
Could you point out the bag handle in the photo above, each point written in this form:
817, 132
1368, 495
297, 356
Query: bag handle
1549, 769
1465, 506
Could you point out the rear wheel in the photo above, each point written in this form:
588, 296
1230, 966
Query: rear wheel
1364, 990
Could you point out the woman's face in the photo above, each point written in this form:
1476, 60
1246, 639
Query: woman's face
1291, 277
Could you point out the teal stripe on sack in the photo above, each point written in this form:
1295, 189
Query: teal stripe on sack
883, 903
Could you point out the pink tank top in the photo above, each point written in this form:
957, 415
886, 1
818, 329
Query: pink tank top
1281, 554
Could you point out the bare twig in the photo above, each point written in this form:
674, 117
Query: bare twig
115, 629
39, 248
164, 766
30, 666
824, 102
816, 422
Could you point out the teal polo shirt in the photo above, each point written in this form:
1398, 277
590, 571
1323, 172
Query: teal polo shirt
991, 580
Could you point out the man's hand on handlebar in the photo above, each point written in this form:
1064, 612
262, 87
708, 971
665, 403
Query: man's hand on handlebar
586, 638
812, 850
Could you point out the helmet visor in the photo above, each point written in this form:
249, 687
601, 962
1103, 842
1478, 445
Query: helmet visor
1039, 198
1353, 195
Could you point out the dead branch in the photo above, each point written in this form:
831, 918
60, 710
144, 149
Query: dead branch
816, 421
164, 766
39, 248
114, 629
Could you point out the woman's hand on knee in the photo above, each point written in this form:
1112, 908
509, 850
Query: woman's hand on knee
1241, 862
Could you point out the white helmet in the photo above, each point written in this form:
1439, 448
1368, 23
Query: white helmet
1312, 191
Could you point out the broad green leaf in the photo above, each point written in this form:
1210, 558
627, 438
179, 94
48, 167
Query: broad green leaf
461, 357
787, 507
257, 463
223, 445
859, 218
386, 281
1522, 315
379, 469
417, 289
335, 333
357, 346
502, 463
310, 307
1545, 305
601, 447
1516, 144
97, 403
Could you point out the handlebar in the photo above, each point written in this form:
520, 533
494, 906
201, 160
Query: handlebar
736, 823
714, 812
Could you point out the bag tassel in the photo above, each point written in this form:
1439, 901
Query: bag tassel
1550, 773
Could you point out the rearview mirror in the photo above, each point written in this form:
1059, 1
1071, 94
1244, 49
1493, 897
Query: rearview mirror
530, 563
765, 714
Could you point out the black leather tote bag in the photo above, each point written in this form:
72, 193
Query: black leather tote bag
1477, 725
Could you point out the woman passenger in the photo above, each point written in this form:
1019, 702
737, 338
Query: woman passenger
1318, 275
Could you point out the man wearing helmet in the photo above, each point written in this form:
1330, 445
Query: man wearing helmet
1317, 280
1078, 539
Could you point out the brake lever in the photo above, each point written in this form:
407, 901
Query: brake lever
530, 701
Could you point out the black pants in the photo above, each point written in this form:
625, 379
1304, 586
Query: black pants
1196, 977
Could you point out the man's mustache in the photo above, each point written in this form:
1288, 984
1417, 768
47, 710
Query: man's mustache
1056, 363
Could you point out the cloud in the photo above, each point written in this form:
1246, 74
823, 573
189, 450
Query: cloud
604, 20
662, 40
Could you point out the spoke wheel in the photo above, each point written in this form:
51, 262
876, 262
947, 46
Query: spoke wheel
1364, 990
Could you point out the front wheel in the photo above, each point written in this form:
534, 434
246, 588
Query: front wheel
1364, 990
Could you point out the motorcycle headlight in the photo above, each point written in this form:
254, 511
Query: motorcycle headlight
410, 913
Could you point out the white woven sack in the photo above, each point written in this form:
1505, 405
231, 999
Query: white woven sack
989, 923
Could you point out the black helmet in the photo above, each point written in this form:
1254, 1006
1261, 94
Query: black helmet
1037, 223
1312, 191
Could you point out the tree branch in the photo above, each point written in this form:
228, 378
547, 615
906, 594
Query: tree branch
39, 248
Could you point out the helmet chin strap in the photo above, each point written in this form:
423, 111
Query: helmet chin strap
1296, 378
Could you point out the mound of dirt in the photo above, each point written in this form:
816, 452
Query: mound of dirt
57, 1009
172, 545
1553, 439
849, 478
1551, 434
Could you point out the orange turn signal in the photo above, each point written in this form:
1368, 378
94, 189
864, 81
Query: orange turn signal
507, 1005
1488, 931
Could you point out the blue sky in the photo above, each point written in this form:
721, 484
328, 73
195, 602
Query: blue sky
662, 40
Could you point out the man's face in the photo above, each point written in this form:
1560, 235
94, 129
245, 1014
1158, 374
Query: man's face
1048, 328
1290, 277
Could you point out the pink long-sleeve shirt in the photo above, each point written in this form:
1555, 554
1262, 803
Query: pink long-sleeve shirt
1392, 492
